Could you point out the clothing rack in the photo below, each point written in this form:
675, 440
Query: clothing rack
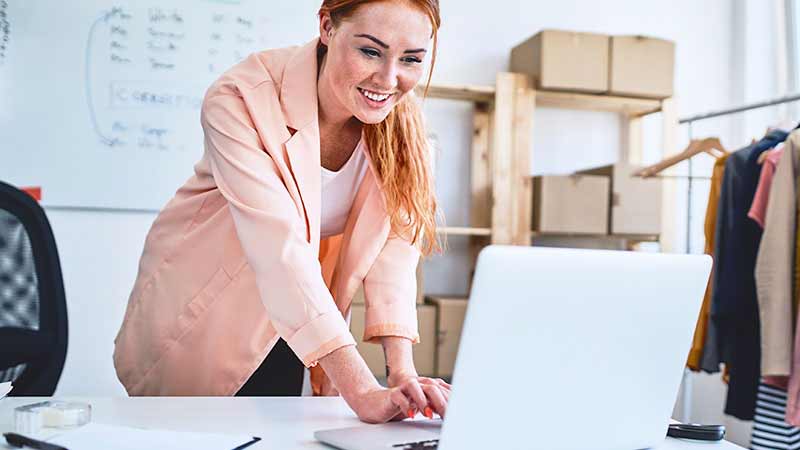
710, 115
738, 109
687, 385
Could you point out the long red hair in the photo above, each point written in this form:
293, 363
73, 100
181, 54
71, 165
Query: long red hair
399, 147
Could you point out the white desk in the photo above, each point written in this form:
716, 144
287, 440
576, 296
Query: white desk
283, 423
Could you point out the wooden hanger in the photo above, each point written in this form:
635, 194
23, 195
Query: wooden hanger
712, 146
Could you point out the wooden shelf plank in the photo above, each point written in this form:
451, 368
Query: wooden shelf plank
628, 237
473, 93
551, 99
464, 231
625, 105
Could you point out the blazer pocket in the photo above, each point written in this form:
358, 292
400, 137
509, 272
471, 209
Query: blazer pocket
233, 257
207, 296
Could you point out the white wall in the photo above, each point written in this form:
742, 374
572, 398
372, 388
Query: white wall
100, 250
99, 258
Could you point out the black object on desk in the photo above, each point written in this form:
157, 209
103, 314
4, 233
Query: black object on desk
696, 432
18, 440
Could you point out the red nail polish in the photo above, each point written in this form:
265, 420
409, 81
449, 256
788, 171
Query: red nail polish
410, 413
428, 412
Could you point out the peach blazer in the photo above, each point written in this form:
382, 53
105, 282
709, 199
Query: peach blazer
235, 261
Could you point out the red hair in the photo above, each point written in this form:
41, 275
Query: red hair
399, 148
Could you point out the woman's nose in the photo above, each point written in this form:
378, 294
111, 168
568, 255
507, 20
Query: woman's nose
386, 78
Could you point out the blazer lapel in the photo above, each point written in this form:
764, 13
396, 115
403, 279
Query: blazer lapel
298, 99
304, 162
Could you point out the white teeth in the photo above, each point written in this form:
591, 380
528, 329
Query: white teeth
373, 96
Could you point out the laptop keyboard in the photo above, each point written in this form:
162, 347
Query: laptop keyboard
432, 444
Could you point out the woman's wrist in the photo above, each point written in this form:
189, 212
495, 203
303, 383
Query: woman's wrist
349, 374
399, 357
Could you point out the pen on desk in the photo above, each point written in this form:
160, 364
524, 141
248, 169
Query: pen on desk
18, 440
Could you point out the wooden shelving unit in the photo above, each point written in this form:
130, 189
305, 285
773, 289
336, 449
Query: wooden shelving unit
501, 190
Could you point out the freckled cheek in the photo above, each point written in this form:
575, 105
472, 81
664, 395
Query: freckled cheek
350, 73
407, 83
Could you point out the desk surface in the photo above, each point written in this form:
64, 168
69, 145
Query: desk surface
284, 423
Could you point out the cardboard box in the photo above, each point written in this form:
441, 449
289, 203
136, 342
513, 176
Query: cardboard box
642, 67
358, 298
564, 60
450, 313
635, 202
571, 204
424, 352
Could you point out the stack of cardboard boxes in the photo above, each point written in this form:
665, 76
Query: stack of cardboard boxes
632, 66
604, 200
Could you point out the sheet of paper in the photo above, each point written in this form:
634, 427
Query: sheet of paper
5, 388
99, 436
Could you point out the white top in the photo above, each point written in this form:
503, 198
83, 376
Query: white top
339, 190
284, 422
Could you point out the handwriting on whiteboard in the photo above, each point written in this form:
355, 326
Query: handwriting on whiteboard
5, 30
147, 66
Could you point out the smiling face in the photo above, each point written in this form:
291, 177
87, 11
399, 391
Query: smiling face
374, 58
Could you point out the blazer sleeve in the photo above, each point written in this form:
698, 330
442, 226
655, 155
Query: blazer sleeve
390, 292
272, 233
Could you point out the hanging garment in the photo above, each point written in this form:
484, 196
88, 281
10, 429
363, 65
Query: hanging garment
773, 208
758, 210
777, 269
769, 430
796, 296
710, 225
734, 307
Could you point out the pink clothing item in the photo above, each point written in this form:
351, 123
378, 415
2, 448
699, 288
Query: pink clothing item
779, 382
758, 209
235, 261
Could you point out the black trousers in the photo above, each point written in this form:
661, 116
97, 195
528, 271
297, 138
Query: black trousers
280, 375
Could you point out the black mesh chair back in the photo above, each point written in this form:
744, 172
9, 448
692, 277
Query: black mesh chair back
33, 310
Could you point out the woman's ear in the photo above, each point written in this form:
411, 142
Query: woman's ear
325, 29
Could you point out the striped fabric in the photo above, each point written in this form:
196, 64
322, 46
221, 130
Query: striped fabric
770, 431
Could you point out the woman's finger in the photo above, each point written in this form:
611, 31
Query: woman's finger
413, 389
400, 399
436, 397
435, 381
446, 393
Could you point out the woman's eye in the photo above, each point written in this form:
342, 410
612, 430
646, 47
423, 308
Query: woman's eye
412, 60
370, 52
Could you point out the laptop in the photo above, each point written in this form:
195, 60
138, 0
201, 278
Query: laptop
561, 349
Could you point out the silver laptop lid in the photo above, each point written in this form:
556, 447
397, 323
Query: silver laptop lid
573, 349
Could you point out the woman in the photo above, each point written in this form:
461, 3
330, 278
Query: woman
315, 178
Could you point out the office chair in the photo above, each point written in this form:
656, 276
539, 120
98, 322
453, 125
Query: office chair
33, 310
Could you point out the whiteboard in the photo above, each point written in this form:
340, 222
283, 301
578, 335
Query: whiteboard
101, 99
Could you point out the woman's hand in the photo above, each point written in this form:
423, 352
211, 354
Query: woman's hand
373, 403
404, 400
435, 390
